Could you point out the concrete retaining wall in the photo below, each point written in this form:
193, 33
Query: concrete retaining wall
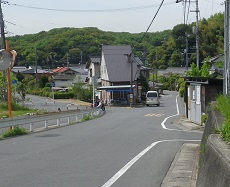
214, 162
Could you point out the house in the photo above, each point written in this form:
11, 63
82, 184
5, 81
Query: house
173, 70
119, 71
63, 76
93, 66
214, 61
31, 70
81, 74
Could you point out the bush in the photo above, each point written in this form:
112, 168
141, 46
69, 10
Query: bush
15, 131
15, 106
181, 91
223, 105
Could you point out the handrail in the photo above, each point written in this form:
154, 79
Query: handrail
25, 120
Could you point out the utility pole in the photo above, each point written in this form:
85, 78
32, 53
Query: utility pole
197, 37
6, 46
67, 59
226, 86
3, 46
2, 27
36, 66
81, 60
186, 38
196, 31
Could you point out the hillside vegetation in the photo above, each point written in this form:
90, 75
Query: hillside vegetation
159, 49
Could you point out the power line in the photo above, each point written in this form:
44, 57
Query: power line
152, 20
92, 10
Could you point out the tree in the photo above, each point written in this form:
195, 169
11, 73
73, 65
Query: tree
44, 80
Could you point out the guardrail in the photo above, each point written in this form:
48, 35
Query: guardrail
46, 121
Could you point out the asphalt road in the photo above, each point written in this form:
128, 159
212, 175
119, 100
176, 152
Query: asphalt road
43, 103
127, 147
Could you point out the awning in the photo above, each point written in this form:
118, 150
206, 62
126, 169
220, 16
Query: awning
118, 88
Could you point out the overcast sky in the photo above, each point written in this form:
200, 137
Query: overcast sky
134, 16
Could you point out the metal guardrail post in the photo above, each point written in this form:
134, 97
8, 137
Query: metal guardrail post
58, 122
31, 127
46, 125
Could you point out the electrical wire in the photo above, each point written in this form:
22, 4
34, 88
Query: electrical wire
152, 20
95, 10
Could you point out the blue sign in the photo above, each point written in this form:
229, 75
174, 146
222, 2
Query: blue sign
14, 81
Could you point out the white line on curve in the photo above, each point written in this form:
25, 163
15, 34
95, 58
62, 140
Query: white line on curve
135, 159
178, 112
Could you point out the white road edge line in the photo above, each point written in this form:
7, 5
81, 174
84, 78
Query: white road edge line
178, 112
135, 159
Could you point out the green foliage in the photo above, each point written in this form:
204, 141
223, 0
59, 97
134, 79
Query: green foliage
194, 72
43, 81
204, 118
181, 91
81, 92
144, 82
19, 76
223, 105
204, 71
165, 48
15, 106
15, 131
86, 118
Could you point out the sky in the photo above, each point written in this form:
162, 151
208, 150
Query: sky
134, 16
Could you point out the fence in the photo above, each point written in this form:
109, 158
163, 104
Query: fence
47, 121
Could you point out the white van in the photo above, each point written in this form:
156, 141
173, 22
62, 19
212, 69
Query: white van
152, 98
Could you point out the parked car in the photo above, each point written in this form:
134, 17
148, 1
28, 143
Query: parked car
152, 98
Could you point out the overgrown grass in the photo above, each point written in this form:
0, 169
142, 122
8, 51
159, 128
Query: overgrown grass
86, 118
17, 110
223, 105
15, 131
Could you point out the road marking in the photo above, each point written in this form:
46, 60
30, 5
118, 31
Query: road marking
178, 112
136, 158
154, 115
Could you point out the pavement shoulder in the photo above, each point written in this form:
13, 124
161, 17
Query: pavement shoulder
189, 125
183, 170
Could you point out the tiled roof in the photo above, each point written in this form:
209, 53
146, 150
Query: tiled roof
60, 69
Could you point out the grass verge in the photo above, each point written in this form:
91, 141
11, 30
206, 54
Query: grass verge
15, 131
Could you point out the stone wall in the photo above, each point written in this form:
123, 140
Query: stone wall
214, 162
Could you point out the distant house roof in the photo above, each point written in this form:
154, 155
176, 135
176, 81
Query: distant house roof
33, 71
117, 63
93, 59
218, 58
16, 69
174, 70
79, 70
60, 69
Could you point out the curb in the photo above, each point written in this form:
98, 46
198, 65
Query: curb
183, 170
